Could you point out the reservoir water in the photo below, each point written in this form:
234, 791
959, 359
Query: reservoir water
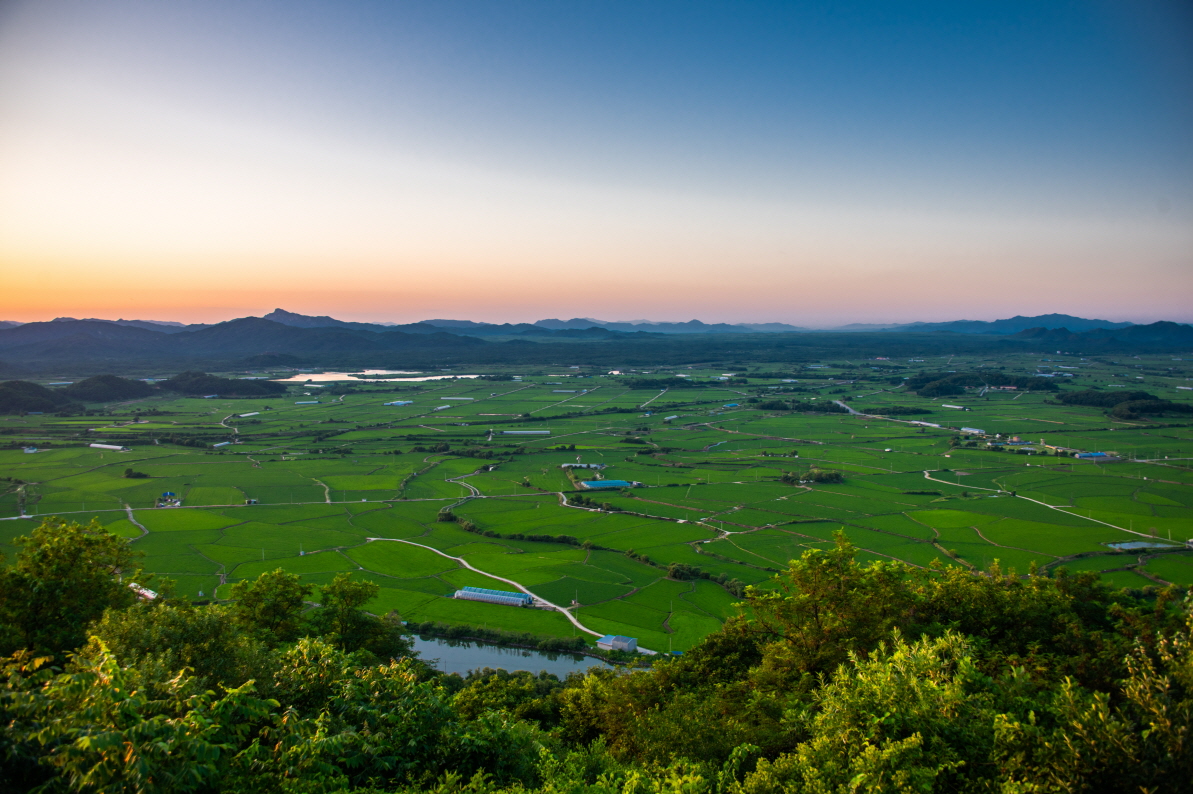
1131, 545
317, 377
456, 656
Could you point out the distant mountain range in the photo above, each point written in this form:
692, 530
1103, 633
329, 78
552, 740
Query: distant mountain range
284, 338
1009, 326
1003, 327
1163, 334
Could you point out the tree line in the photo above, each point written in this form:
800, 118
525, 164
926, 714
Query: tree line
837, 676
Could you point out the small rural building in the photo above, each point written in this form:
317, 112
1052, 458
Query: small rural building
616, 642
112, 447
506, 597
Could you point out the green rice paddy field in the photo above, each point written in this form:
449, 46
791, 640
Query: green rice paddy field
353, 485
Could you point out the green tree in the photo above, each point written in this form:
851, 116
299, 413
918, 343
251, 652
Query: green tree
161, 639
271, 606
341, 616
65, 576
99, 730
343, 621
826, 605
914, 717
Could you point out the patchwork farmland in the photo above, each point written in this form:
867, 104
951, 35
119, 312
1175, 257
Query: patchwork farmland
731, 476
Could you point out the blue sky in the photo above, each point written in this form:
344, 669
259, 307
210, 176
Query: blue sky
813, 163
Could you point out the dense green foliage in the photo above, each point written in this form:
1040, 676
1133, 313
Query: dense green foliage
839, 676
202, 383
1102, 399
107, 388
65, 577
18, 396
941, 384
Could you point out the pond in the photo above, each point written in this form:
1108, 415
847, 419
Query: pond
457, 656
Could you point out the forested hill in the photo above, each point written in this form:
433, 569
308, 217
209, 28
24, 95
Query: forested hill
845, 677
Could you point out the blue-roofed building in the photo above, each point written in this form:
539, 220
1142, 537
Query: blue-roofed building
506, 597
616, 642
608, 483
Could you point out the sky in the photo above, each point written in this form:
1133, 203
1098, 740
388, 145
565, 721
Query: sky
815, 163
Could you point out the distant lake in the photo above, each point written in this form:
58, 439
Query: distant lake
330, 376
455, 656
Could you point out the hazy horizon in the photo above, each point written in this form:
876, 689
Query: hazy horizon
509, 162
636, 320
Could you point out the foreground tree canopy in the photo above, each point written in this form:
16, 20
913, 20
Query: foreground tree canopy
838, 676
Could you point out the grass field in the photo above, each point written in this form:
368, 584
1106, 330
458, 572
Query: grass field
339, 484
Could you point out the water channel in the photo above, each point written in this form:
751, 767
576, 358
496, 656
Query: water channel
389, 374
456, 656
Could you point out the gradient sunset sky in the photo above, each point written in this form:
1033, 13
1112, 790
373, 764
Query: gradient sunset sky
814, 163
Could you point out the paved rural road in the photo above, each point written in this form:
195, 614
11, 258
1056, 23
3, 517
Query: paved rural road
1037, 501
467, 565
847, 408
